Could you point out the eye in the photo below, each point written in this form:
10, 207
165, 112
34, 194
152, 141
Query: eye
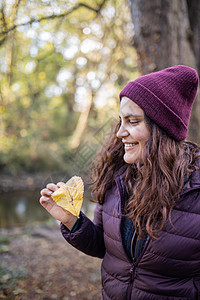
134, 122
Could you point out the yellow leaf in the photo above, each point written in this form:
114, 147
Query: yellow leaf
70, 195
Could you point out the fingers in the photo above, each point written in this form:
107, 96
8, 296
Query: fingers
50, 188
44, 200
59, 184
46, 192
47, 202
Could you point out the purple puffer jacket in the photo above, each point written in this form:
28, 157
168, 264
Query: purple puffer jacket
168, 268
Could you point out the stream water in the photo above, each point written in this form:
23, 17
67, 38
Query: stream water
23, 209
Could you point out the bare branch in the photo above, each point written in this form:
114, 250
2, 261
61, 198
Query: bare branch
3, 18
79, 5
17, 3
15, 9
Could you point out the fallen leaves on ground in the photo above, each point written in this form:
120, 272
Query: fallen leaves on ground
37, 263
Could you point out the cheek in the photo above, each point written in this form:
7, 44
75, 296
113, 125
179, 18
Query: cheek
145, 134
141, 135
144, 138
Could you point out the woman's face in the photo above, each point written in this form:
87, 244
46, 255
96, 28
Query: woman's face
133, 130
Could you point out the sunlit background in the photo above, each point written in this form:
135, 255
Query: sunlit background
60, 78
62, 67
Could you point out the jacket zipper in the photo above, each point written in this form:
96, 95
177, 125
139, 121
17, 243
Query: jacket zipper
134, 262
136, 244
143, 251
132, 241
121, 193
134, 255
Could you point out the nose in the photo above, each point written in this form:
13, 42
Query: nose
122, 132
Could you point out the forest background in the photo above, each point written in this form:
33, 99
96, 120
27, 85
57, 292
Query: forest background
63, 64
61, 72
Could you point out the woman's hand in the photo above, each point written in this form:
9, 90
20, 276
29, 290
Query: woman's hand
55, 210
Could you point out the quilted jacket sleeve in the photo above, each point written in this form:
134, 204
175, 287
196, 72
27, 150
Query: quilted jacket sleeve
89, 237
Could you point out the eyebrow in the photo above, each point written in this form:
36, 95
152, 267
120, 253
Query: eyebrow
131, 115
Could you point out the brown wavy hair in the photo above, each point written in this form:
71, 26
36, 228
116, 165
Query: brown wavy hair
154, 183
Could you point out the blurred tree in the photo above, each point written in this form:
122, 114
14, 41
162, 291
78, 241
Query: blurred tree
167, 33
62, 65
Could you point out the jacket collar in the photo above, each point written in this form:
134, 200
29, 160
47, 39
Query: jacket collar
194, 180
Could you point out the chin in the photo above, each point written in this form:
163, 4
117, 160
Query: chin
129, 160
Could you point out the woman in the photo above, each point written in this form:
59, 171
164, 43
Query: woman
147, 183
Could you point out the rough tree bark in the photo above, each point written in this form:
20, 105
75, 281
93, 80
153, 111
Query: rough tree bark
167, 33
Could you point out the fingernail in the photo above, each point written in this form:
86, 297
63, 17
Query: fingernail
45, 198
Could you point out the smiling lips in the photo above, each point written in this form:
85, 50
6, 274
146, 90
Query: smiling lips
128, 147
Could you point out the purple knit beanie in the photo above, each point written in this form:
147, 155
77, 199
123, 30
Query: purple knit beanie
166, 97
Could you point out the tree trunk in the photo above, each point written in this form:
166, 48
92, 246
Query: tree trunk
167, 33
82, 124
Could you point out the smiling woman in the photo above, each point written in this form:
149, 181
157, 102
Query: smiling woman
133, 130
146, 180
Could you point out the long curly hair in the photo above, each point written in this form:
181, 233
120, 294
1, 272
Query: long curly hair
153, 183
